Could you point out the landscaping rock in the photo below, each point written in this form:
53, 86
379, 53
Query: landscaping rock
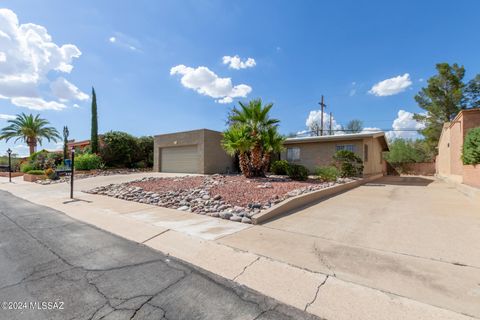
246, 220
235, 218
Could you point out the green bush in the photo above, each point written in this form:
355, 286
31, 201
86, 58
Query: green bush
349, 163
25, 167
119, 149
50, 173
471, 147
145, 151
56, 158
279, 167
328, 173
88, 162
37, 172
297, 172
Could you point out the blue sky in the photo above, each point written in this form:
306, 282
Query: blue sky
301, 50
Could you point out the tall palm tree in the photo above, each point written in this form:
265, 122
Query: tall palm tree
29, 129
237, 140
255, 118
272, 143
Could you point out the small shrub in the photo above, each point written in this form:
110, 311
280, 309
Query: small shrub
25, 167
119, 149
56, 158
471, 147
50, 173
88, 162
349, 163
328, 173
279, 167
297, 172
37, 172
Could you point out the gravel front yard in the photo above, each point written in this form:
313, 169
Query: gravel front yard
232, 197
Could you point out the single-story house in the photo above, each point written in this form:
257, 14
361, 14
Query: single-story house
316, 151
449, 162
200, 151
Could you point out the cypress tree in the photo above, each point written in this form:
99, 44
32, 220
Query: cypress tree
66, 133
94, 136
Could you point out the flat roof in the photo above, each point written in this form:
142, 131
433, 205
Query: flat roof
347, 136
187, 131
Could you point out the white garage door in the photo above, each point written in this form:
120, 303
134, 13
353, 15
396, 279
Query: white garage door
180, 159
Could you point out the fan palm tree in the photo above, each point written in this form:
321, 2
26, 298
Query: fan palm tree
29, 129
272, 143
255, 118
237, 140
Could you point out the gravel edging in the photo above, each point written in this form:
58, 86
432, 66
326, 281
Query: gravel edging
200, 199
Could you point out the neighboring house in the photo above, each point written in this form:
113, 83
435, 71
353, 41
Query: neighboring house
197, 151
449, 162
81, 145
316, 151
200, 151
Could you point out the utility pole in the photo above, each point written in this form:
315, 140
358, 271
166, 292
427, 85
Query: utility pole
322, 107
331, 121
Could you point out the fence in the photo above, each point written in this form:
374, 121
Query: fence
413, 168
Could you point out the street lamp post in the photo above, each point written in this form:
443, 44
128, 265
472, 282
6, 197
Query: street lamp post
72, 172
9, 151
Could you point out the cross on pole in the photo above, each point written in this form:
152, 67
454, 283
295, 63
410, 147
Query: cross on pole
322, 107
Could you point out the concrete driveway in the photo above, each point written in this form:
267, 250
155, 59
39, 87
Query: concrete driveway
413, 237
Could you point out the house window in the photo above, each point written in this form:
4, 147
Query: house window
348, 147
293, 154
365, 153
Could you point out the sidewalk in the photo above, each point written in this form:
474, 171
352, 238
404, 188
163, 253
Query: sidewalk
222, 247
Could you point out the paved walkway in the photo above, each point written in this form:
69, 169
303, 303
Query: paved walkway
393, 249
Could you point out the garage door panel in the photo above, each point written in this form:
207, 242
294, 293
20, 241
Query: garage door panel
180, 159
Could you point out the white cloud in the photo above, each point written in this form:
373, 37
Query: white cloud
31, 55
236, 62
405, 121
206, 82
353, 89
370, 129
392, 86
37, 104
7, 117
65, 90
125, 41
314, 119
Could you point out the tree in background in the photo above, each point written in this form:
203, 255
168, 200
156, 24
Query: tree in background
354, 126
471, 147
119, 149
94, 135
442, 99
30, 129
408, 151
66, 133
472, 93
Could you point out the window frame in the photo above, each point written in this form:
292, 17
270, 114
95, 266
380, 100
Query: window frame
293, 159
340, 147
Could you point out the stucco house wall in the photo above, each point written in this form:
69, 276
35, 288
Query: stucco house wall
319, 151
449, 162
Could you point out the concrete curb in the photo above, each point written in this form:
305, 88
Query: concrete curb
304, 199
467, 190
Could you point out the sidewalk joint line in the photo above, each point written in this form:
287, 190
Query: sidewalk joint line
245, 268
158, 234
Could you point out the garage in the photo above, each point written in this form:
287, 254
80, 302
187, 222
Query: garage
182, 159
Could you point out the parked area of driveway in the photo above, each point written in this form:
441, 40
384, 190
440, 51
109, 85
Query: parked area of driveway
54, 267
412, 237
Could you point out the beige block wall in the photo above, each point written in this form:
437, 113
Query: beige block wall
456, 143
216, 160
212, 157
442, 161
375, 163
315, 154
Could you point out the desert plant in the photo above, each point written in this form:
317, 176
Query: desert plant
297, 172
251, 123
50, 173
94, 128
66, 133
30, 129
88, 161
471, 147
145, 151
349, 164
327, 173
279, 167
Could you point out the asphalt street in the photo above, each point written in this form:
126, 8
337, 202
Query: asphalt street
54, 267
